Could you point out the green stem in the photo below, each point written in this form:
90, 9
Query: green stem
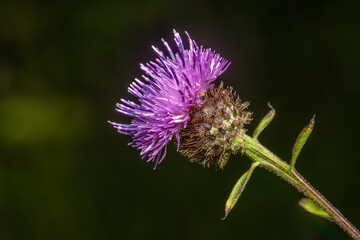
258, 153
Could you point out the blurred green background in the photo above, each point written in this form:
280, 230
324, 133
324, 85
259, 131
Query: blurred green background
66, 174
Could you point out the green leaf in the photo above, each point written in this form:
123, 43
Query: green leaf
238, 189
300, 141
264, 122
311, 207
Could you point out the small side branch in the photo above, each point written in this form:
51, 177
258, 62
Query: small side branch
258, 153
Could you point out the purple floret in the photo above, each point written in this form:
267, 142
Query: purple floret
171, 87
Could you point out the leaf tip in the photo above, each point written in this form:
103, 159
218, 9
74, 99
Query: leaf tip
312, 122
227, 210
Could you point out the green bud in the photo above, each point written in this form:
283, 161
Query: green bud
311, 207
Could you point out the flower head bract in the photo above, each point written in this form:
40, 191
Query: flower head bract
171, 87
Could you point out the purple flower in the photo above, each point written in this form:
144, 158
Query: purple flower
171, 87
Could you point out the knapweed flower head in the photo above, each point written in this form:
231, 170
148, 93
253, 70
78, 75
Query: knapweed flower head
171, 87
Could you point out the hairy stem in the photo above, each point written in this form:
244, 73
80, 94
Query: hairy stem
257, 152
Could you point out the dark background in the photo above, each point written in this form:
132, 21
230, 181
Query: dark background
66, 174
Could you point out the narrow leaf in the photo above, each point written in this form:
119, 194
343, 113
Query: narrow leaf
264, 122
238, 189
311, 207
300, 141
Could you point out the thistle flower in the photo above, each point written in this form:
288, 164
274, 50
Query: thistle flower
171, 87
177, 97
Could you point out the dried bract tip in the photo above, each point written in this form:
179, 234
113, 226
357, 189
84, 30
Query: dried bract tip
211, 128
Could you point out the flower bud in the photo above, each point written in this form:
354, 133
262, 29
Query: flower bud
211, 128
